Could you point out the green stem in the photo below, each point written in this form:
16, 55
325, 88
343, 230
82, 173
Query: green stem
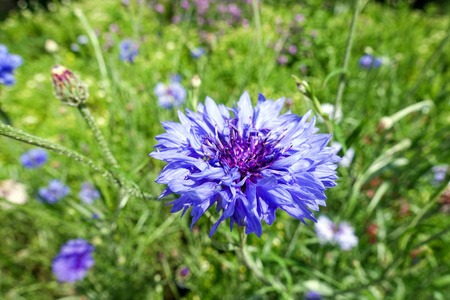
87, 116
112, 176
247, 260
348, 48
259, 37
98, 51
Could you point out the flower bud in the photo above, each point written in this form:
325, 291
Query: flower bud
385, 123
196, 81
68, 87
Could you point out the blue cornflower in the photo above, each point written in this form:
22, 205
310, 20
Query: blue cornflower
172, 95
248, 165
440, 172
369, 62
8, 63
198, 52
73, 261
82, 39
129, 49
311, 295
55, 191
88, 193
74, 47
34, 158
328, 232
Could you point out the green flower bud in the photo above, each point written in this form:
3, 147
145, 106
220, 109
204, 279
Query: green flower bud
68, 87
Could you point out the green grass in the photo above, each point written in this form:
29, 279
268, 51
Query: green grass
141, 259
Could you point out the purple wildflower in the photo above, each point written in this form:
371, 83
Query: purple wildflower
311, 295
88, 193
328, 233
369, 62
172, 95
184, 4
198, 52
299, 18
8, 63
55, 191
249, 165
292, 49
73, 261
185, 272
159, 8
282, 59
34, 158
129, 49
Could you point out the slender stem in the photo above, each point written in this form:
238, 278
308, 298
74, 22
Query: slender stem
348, 48
294, 240
259, 37
87, 116
112, 176
247, 260
94, 40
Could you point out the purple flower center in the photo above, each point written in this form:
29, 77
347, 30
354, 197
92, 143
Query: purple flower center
251, 151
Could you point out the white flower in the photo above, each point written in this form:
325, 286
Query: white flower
13, 191
324, 229
329, 110
347, 159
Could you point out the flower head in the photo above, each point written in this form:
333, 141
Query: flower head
68, 87
198, 52
34, 158
13, 191
83, 39
129, 49
328, 108
328, 232
8, 63
311, 295
369, 62
73, 261
248, 165
55, 191
88, 193
439, 172
172, 95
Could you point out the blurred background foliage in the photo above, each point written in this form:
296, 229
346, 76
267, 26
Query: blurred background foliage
389, 185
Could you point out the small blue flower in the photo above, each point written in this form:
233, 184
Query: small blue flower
198, 52
369, 62
74, 47
248, 165
173, 95
82, 39
88, 193
55, 191
440, 172
328, 232
34, 158
8, 63
311, 295
73, 261
129, 49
